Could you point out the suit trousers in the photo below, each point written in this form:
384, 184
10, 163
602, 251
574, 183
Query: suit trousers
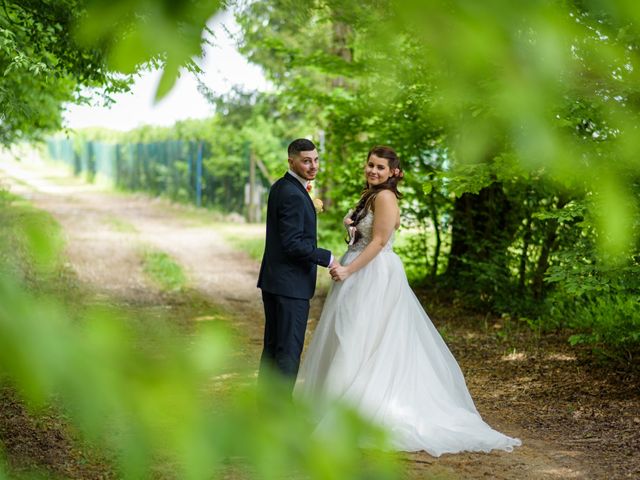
284, 329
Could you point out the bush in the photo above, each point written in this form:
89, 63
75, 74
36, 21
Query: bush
610, 323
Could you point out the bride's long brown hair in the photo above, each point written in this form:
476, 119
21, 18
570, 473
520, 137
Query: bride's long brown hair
369, 194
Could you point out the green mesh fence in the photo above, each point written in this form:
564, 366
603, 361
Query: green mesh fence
185, 171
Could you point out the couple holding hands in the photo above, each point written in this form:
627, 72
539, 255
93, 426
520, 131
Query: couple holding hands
374, 348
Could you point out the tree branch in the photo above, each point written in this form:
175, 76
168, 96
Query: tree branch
6, 13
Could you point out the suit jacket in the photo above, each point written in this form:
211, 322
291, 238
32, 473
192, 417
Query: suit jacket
291, 253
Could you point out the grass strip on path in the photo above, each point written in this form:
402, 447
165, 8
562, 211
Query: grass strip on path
164, 271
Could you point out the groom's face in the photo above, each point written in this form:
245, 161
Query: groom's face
305, 164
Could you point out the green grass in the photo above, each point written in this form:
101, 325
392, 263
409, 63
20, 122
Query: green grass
246, 237
254, 247
30, 239
119, 225
164, 271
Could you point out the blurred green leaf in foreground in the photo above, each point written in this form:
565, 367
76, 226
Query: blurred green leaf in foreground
154, 396
166, 32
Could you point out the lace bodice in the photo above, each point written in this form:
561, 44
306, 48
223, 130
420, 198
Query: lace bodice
365, 227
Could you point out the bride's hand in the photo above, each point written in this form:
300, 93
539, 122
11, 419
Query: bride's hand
339, 273
347, 219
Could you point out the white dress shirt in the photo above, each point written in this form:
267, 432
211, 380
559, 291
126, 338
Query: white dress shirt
303, 181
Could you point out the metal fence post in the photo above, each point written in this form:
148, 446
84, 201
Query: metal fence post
199, 176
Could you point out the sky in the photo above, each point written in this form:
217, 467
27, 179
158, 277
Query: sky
223, 68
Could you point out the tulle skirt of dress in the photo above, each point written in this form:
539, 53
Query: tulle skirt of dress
376, 349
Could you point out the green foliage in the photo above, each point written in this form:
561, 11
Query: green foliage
610, 324
139, 31
51, 51
516, 125
414, 248
43, 66
498, 79
596, 298
507, 71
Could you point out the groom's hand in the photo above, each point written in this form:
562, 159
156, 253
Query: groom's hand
334, 263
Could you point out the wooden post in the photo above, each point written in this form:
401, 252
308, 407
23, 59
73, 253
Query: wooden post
264, 171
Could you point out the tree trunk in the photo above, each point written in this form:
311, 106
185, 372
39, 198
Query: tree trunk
340, 40
537, 286
548, 247
342, 33
436, 227
525, 248
481, 228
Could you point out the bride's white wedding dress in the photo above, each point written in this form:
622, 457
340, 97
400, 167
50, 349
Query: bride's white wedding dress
376, 349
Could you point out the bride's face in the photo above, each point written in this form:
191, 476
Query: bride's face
376, 171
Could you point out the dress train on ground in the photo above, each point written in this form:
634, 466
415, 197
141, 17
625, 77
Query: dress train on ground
376, 349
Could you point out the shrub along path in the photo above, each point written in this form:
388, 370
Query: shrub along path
577, 420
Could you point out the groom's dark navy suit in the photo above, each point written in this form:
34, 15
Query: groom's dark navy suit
288, 273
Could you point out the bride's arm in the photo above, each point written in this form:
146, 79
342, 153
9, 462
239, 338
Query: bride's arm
384, 222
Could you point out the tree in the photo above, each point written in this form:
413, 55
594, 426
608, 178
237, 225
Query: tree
507, 116
44, 66
51, 51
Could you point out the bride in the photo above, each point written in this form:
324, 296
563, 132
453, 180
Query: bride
376, 349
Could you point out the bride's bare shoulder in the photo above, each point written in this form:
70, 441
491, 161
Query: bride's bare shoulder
386, 198
386, 203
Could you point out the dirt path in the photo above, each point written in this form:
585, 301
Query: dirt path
107, 232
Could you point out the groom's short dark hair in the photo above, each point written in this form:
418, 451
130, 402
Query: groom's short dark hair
300, 145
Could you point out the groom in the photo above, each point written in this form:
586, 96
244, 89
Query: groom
288, 271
